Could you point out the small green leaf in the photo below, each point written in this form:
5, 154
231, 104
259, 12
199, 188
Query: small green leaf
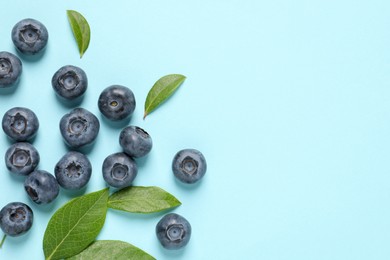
112, 249
161, 90
2, 240
81, 30
138, 199
75, 225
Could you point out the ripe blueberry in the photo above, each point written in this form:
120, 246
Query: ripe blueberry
135, 141
79, 127
21, 158
41, 187
116, 102
16, 218
29, 36
20, 124
189, 165
173, 231
70, 82
119, 170
10, 69
73, 171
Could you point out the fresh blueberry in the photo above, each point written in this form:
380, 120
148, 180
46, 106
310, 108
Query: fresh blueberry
73, 171
10, 69
173, 231
119, 170
21, 158
30, 36
16, 218
135, 141
70, 82
41, 186
189, 165
79, 127
116, 102
20, 124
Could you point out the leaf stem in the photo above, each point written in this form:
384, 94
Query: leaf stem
2, 241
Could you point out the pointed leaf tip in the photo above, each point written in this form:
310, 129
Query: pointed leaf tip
161, 91
66, 235
81, 30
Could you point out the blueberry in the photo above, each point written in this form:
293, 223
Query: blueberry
10, 69
21, 158
41, 187
135, 141
173, 231
73, 171
119, 170
116, 102
70, 82
20, 124
30, 36
189, 165
79, 127
16, 218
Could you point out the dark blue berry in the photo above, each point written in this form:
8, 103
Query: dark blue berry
135, 141
20, 124
30, 36
189, 165
73, 171
16, 218
10, 69
119, 170
116, 102
79, 127
173, 231
21, 158
70, 82
41, 187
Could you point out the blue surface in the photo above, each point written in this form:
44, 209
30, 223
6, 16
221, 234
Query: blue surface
288, 100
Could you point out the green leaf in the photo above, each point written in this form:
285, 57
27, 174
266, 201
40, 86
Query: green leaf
75, 225
81, 30
138, 199
161, 90
112, 249
2, 240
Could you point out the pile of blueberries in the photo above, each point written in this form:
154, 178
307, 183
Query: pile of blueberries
79, 128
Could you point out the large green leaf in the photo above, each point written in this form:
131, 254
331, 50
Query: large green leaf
112, 249
75, 225
81, 30
161, 90
138, 199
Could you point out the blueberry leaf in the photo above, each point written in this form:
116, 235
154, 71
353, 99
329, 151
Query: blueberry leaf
81, 30
2, 240
75, 225
138, 199
112, 249
161, 90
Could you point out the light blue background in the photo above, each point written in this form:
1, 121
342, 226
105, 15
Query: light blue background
288, 100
